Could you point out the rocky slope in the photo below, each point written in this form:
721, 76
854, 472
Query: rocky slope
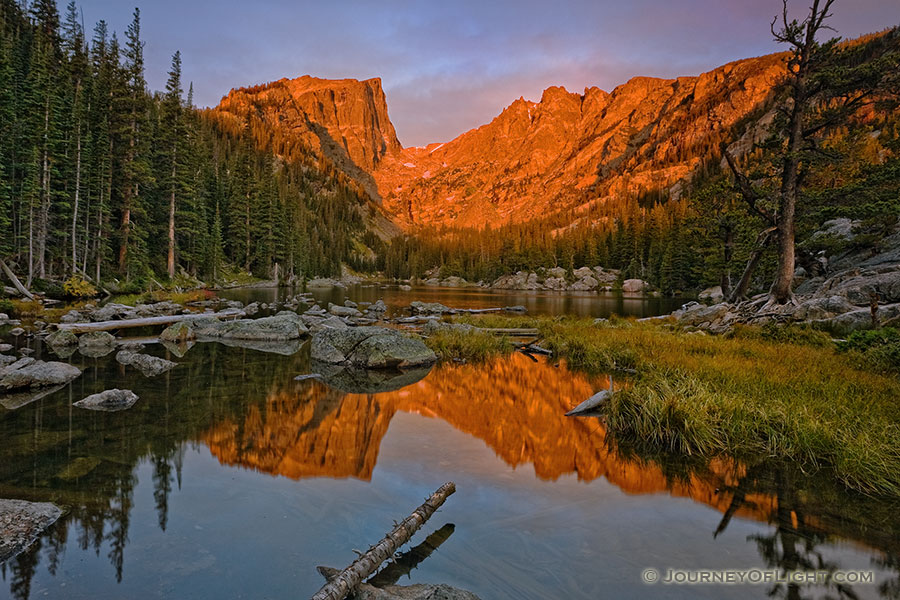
567, 150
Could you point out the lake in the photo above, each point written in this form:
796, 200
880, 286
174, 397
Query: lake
230, 479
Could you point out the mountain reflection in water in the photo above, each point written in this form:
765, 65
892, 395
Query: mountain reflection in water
249, 411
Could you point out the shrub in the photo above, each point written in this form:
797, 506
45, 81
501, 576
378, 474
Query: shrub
77, 287
6, 306
876, 349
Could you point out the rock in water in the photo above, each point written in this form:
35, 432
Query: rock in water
179, 332
30, 373
370, 348
286, 325
110, 400
634, 286
62, 339
428, 308
96, 343
150, 366
21, 523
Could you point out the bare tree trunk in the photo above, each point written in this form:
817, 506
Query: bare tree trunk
75, 203
341, 585
170, 259
740, 291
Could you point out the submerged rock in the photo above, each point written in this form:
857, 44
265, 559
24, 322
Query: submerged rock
30, 373
370, 347
355, 380
21, 523
110, 400
150, 366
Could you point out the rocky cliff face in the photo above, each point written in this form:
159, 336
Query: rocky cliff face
574, 149
569, 150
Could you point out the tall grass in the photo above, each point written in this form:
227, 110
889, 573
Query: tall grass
474, 346
746, 395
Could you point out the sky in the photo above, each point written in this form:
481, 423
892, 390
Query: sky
448, 66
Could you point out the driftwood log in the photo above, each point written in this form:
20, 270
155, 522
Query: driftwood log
15, 280
147, 321
341, 585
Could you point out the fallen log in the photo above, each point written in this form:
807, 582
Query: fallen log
593, 402
341, 585
147, 321
15, 280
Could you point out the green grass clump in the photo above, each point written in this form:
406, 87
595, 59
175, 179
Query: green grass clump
876, 349
473, 346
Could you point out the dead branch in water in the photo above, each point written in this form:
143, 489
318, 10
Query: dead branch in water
340, 586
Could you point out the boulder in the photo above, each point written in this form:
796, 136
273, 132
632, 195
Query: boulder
606, 277
109, 401
428, 308
377, 310
355, 380
370, 347
29, 373
405, 288
73, 316
315, 323
822, 308
585, 284
62, 339
434, 326
634, 286
6, 347
555, 283
698, 315
178, 333
4, 318
252, 308
556, 273
323, 283
713, 295
114, 312
96, 340
6, 360
350, 304
286, 325
150, 366
158, 309
858, 286
856, 320
454, 281
343, 311
583, 272
21, 523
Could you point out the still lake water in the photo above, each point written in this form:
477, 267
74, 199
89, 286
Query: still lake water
229, 479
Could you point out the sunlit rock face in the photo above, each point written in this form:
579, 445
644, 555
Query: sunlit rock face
567, 151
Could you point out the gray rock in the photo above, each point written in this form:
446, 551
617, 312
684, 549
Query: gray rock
343, 311
114, 312
713, 294
62, 339
354, 380
857, 286
634, 286
316, 323
434, 326
583, 272
29, 373
700, 315
21, 523
178, 332
822, 308
158, 309
109, 401
370, 347
857, 320
285, 325
4, 318
25, 351
321, 283
350, 304
97, 339
252, 308
556, 273
73, 316
150, 366
379, 309
555, 283
428, 308
454, 281
16, 331
5, 360
6, 347
405, 288
586, 284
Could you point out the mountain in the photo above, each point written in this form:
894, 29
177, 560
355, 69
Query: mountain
565, 151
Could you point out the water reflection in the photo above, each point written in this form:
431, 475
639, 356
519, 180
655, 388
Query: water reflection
249, 411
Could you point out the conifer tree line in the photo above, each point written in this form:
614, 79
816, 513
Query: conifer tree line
102, 179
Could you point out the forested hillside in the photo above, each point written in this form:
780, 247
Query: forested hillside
104, 180
702, 233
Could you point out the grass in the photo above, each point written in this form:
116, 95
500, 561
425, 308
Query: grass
783, 394
473, 346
